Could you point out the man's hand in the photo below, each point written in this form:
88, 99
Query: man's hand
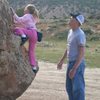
59, 65
72, 73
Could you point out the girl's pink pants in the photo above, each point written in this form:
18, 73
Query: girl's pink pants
32, 35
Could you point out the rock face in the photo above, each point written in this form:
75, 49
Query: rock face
15, 72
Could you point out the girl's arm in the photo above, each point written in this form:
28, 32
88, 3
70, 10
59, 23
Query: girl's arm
17, 19
20, 20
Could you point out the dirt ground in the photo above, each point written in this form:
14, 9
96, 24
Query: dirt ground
49, 84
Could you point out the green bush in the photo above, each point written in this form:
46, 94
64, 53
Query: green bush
20, 12
62, 35
88, 31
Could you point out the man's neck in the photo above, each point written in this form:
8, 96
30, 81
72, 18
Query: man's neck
74, 29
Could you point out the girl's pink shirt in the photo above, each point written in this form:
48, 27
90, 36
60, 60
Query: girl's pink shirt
26, 21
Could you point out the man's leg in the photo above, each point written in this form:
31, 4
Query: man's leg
79, 84
69, 87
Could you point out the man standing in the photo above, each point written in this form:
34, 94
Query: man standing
75, 85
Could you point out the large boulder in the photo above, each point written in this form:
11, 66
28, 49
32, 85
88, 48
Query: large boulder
15, 72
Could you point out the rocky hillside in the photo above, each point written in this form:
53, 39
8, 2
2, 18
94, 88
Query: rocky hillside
61, 8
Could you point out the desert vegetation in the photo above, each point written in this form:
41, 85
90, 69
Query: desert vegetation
55, 32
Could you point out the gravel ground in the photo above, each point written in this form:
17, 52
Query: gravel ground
49, 84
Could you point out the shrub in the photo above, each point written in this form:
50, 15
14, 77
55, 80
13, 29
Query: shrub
20, 12
61, 35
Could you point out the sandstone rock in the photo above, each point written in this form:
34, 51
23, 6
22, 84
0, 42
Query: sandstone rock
15, 72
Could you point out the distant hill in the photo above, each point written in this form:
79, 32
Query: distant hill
61, 8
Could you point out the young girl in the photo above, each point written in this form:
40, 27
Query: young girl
28, 30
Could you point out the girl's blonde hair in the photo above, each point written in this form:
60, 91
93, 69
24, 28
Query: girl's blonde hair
32, 10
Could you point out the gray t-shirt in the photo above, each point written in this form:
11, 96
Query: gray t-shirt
75, 39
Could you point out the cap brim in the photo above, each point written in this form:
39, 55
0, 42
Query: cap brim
73, 15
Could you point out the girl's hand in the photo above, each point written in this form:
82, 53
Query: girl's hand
12, 11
